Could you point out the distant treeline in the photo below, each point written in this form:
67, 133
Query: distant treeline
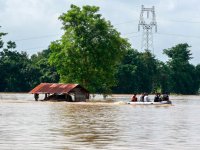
141, 72
92, 52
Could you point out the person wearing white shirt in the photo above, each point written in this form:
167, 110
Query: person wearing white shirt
146, 98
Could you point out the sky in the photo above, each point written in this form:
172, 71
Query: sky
34, 24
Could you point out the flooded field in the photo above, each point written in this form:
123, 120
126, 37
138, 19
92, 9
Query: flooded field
26, 124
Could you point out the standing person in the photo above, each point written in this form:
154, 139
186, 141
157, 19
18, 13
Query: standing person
146, 98
142, 97
36, 96
134, 98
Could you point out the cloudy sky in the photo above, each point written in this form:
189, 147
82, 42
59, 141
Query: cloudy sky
33, 24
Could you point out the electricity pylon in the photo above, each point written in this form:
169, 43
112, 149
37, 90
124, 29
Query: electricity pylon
147, 35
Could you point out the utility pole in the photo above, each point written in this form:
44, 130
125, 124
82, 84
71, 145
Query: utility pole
147, 35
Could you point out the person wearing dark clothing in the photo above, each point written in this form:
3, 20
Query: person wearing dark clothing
36, 96
157, 98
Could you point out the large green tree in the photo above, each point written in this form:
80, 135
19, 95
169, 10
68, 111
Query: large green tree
183, 75
89, 50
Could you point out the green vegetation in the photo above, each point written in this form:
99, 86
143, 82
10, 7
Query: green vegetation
184, 78
136, 73
92, 53
141, 72
19, 73
47, 73
89, 50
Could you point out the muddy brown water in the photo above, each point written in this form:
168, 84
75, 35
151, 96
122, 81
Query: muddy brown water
26, 124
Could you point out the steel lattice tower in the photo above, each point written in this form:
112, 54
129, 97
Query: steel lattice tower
147, 35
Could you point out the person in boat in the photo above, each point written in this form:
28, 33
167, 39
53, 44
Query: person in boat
157, 98
146, 98
141, 97
165, 97
134, 98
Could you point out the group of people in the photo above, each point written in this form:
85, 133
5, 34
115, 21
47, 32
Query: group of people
144, 97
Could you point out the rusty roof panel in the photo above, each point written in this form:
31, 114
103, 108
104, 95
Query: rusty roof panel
53, 88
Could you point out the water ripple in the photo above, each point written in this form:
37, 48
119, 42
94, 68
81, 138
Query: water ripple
50, 126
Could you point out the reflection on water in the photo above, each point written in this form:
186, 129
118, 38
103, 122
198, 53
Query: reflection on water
64, 126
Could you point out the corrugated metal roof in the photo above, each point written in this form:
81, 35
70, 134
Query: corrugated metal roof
53, 88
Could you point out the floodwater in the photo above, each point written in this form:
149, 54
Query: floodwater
30, 125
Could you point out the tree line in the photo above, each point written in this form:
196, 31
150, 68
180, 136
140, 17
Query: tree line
142, 72
93, 53
19, 72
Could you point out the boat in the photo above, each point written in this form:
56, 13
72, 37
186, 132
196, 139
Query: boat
150, 103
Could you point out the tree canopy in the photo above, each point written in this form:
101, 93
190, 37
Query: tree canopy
47, 72
183, 75
89, 51
136, 73
140, 72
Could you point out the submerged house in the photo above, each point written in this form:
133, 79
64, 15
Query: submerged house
57, 91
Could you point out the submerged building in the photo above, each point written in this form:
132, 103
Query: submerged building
58, 91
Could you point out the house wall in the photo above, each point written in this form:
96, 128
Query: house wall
80, 95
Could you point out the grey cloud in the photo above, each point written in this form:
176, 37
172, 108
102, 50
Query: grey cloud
32, 18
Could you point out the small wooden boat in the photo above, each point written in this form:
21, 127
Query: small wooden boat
150, 103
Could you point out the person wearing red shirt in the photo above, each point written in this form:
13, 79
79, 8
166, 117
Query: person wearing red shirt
134, 98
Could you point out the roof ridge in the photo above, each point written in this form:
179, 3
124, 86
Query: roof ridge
54, 88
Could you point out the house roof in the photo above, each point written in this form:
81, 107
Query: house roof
54, 88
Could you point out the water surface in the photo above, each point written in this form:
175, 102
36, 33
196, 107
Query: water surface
26, 124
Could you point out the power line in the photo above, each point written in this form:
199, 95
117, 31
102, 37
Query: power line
34, 48
130, 21
180, 35
159, 33
36, 37
181, 21
169, 34
133, 36
51, 35
130, 33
